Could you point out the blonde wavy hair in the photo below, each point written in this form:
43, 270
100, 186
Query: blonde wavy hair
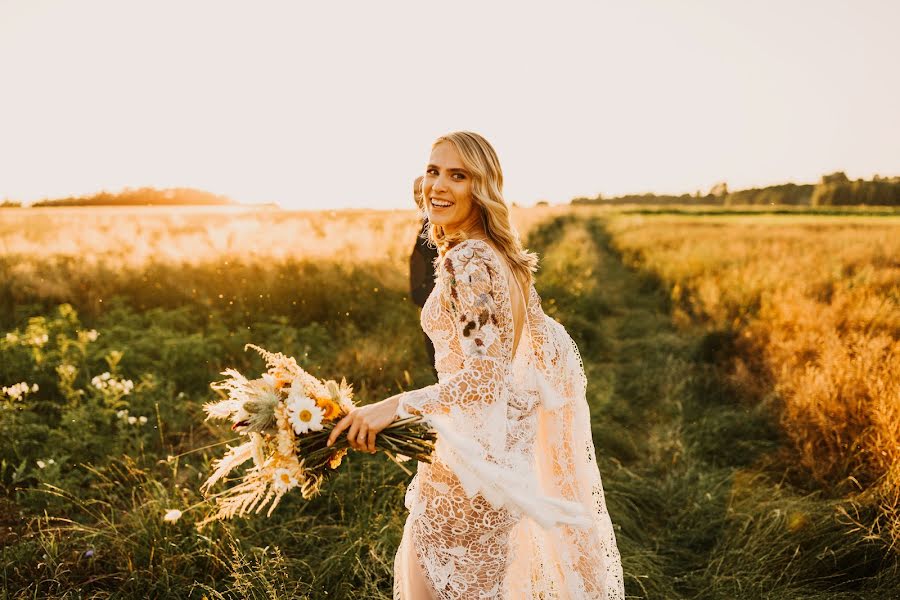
480, 159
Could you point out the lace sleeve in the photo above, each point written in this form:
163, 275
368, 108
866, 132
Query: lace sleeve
478, 384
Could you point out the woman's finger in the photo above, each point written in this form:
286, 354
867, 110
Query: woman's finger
361, 437
372, 435
341, 425
352, 433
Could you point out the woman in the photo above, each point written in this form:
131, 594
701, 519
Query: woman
512, 504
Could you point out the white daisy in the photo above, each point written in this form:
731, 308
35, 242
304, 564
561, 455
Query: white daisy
303, 414
284, 480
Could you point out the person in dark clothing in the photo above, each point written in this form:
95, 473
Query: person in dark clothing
421, 267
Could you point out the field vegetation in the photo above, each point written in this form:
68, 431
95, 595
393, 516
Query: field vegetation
729, 358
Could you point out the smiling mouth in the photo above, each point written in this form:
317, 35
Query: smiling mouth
440, 203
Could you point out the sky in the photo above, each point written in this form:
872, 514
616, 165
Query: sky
325, 105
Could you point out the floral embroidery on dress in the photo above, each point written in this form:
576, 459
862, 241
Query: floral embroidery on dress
469, 279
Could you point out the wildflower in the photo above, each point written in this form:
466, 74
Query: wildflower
172, 515
303, 414
17, 390
341, 393
284, 480
331, 408
89, 553
132, 420
41, 464
335, 461
142, 420
38, 340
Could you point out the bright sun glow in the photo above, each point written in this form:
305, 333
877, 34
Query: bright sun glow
327, 105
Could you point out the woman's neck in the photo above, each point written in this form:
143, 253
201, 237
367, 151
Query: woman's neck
472, 228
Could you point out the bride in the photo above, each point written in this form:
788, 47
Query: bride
511, 506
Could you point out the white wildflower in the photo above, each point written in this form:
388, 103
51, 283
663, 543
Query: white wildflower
142, 420
41, 464
303, 414
132, 420
38, 340
17, 390
172, 515
284, 480
107, 382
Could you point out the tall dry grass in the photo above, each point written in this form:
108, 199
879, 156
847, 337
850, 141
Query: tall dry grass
130, 236
809, 313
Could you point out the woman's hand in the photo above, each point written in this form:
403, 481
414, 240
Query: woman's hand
365, 422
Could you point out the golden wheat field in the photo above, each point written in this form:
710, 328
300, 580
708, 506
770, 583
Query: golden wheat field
814, 308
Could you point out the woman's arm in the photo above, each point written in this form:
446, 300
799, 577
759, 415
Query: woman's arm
477, 384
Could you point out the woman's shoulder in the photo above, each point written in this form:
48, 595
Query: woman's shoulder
472, 257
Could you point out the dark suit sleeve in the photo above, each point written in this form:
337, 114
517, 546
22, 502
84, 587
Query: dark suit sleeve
421, 269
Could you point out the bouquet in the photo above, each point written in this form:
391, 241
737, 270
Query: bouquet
287, 416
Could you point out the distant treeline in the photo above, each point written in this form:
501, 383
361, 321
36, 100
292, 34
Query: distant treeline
834, 189
141, 197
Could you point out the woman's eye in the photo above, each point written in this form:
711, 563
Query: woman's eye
461, 176
431, 172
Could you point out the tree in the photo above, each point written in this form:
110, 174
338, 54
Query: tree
719, 190
836, 177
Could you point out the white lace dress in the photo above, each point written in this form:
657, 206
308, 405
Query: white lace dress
512, 505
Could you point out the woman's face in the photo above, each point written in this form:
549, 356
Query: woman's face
447, 187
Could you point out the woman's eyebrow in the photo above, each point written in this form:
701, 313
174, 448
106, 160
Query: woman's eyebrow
430, 166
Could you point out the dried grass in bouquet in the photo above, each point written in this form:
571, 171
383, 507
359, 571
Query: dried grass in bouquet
287, 416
